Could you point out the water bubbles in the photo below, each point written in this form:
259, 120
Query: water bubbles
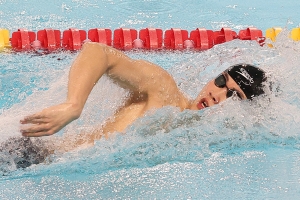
201, 145
65, 7
231, 6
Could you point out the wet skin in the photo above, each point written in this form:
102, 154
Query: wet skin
211, 94
150, 86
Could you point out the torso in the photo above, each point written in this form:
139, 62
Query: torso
123, 117
136, 106
151, 87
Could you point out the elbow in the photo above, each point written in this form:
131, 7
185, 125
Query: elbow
95, 54
93, 46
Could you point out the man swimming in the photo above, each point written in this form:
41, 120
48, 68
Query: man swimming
150, 87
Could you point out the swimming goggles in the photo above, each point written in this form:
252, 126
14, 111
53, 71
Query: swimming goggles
220, 82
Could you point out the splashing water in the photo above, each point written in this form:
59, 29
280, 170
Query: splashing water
168, 135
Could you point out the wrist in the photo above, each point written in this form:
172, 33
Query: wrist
75, 109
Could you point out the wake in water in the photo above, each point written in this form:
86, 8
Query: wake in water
168, 135
21, 152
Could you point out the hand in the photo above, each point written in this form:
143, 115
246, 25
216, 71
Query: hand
50, 120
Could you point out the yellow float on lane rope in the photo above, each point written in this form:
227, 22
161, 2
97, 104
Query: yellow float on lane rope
295, 34
4, 39
272, 33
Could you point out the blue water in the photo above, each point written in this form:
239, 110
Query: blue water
236, 150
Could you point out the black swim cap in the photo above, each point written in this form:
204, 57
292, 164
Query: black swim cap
249, 78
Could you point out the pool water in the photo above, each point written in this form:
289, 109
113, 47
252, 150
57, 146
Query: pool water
235, 150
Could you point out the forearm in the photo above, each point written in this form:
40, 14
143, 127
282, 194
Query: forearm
86, 70
92, 62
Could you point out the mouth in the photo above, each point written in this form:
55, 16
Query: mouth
202, 104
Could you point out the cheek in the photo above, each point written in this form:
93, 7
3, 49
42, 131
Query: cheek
222, 97
209, 87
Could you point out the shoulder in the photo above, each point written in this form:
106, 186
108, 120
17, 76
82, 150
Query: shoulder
162, 88
157, 77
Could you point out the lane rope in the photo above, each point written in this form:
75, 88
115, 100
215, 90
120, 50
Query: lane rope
126, 39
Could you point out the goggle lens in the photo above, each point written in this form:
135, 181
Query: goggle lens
220, 82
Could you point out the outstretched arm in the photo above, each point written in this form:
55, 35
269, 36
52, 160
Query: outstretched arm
93, 61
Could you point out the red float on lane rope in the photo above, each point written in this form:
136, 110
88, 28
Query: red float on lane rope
224, 35
250, 34
203, 39
73, 39
174, 38
152, 38
50, 39
22, 39
100, 35
123, 38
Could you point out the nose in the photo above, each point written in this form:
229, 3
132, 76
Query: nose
214, 99
218, 95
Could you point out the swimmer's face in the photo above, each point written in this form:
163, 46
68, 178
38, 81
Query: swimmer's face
216, 91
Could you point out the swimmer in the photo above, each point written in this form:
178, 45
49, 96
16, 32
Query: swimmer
150, 87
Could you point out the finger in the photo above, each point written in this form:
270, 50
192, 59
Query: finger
35, 121
35, 128
37, 134
30, 118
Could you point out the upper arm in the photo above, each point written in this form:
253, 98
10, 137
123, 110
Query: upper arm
137, 75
